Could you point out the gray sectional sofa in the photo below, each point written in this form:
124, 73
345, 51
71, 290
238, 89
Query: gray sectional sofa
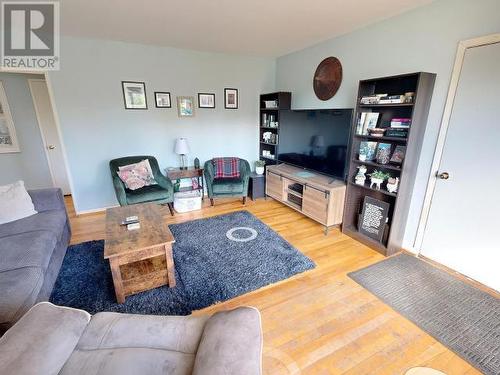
60, 340
31, 252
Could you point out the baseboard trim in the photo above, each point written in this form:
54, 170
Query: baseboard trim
94, 210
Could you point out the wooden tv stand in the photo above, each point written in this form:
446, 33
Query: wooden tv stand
317, 196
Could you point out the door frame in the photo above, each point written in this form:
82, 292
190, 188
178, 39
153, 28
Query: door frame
30, 80
463, 46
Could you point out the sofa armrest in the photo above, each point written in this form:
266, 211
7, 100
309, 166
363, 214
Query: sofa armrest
47, 199
42, 340
231, 344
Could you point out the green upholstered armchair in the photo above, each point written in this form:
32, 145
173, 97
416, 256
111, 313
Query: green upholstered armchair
227, 187
161, 193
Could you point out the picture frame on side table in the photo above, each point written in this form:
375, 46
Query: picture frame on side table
185, 106
162, 100
134, 95
8, 137
230, 98
206, 100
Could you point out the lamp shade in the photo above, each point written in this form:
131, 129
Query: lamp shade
181, 146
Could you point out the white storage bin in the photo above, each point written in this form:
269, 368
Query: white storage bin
187, 201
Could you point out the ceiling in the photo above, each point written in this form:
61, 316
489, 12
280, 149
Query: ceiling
252, 27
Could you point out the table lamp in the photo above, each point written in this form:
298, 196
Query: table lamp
182, 148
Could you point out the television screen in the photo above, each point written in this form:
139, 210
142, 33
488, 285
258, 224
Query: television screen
316, 139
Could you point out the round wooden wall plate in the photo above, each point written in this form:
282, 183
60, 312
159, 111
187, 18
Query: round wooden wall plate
327, 78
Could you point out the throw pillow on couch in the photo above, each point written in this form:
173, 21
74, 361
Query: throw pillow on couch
15, 202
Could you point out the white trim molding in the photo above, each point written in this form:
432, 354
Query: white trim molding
445, 123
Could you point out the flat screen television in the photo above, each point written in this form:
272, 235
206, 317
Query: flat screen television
316, 139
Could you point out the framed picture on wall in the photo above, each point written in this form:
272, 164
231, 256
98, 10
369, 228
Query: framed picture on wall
162, 100
134, 95
231, 98
8, 138
185, 106
206, 100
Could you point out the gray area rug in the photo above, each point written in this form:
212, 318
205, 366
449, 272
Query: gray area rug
461, 317
216, 259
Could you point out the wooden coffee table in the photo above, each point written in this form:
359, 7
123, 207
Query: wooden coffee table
140, 259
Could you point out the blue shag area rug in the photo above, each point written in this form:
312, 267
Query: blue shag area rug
216, 259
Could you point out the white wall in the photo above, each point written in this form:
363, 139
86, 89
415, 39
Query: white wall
29, 165
421, 40
96, 128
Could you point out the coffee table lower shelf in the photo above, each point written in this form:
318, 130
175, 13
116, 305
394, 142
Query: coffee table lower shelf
141, 271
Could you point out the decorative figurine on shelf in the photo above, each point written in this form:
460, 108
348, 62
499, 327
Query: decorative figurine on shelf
392, 184
197, 163
259, 166
360, 177
377, 178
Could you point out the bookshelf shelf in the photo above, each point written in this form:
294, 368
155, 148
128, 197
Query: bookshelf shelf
422, 85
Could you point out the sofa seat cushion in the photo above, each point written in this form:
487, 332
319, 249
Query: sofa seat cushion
51, 220
30, 249
133, 344
19, 288
148, 194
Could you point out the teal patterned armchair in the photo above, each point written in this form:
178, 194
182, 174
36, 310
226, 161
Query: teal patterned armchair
163, 193
227, 187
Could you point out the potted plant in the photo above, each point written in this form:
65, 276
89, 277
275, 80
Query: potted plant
377, 177
259, 166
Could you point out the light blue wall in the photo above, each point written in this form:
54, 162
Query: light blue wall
96, 128
29, 165
422, 40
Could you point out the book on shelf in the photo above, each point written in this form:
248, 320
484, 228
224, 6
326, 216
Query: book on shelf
392, 99
371, 99
367, 120
400, 123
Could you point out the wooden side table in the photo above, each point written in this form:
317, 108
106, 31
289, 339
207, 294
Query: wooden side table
257, 186
190, 172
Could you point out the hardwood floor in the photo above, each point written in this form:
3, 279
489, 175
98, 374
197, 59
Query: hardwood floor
318, 322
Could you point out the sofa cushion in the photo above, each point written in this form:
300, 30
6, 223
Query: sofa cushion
132, 344
15, 202
227, 185
147, 194
30, 249
52, 221
19, 288
41, 342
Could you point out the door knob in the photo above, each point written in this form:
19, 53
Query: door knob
444, 175
51, 147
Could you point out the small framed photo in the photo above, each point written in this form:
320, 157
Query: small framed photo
185, 106
231, 98
398, 155
162, 100
134, 95
206, 100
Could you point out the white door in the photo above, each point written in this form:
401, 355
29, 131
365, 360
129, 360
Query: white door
463, 226
50, 135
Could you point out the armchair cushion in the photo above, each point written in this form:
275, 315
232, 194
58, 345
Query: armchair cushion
148, 194
227, 185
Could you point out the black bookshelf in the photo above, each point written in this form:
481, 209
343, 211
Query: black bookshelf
421, 84
269, 122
